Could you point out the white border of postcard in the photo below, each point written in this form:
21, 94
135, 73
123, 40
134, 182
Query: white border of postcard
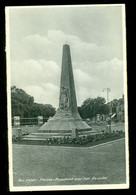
63, 187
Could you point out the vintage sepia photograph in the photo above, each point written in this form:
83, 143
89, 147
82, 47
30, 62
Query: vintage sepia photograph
67, 97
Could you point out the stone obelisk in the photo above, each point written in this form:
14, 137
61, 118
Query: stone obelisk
67, 117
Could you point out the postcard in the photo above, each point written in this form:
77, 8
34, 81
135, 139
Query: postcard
67, 97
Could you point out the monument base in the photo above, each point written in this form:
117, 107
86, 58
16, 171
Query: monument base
64, 121
62, 124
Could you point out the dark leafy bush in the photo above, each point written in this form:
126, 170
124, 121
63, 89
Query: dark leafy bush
83, 140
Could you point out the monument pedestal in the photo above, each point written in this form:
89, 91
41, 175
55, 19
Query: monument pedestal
63, 121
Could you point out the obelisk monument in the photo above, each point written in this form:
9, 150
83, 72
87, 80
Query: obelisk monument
67, 116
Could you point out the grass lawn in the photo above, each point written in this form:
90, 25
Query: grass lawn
35, 165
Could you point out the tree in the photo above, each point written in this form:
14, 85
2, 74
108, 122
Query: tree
45, 110
93, 106
23, 105
20, 102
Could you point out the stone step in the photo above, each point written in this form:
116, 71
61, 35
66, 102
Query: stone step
88, 132
43, 137
54, 131
38, 138
33, 138
47, 134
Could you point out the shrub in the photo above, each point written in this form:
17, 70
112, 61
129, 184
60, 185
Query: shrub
83, 140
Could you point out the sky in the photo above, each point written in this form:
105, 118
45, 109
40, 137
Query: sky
94, 33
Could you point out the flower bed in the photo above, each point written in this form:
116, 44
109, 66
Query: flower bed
88, 140
85, 140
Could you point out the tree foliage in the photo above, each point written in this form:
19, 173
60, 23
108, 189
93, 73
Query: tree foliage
93, 106
23, 105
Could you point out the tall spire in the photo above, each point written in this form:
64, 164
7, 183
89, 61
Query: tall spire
67, 86
67, 116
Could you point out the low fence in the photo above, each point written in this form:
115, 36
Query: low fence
17, 121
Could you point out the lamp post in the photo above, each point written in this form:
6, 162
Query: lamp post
108, 126
108, 91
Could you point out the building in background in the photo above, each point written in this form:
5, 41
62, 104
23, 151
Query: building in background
120, 110
116, 111
117, 108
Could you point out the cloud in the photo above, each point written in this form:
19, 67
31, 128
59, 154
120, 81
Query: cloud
36, 67
94, 34
91, 78
32, 71
49, 47
45, 94
39, 78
